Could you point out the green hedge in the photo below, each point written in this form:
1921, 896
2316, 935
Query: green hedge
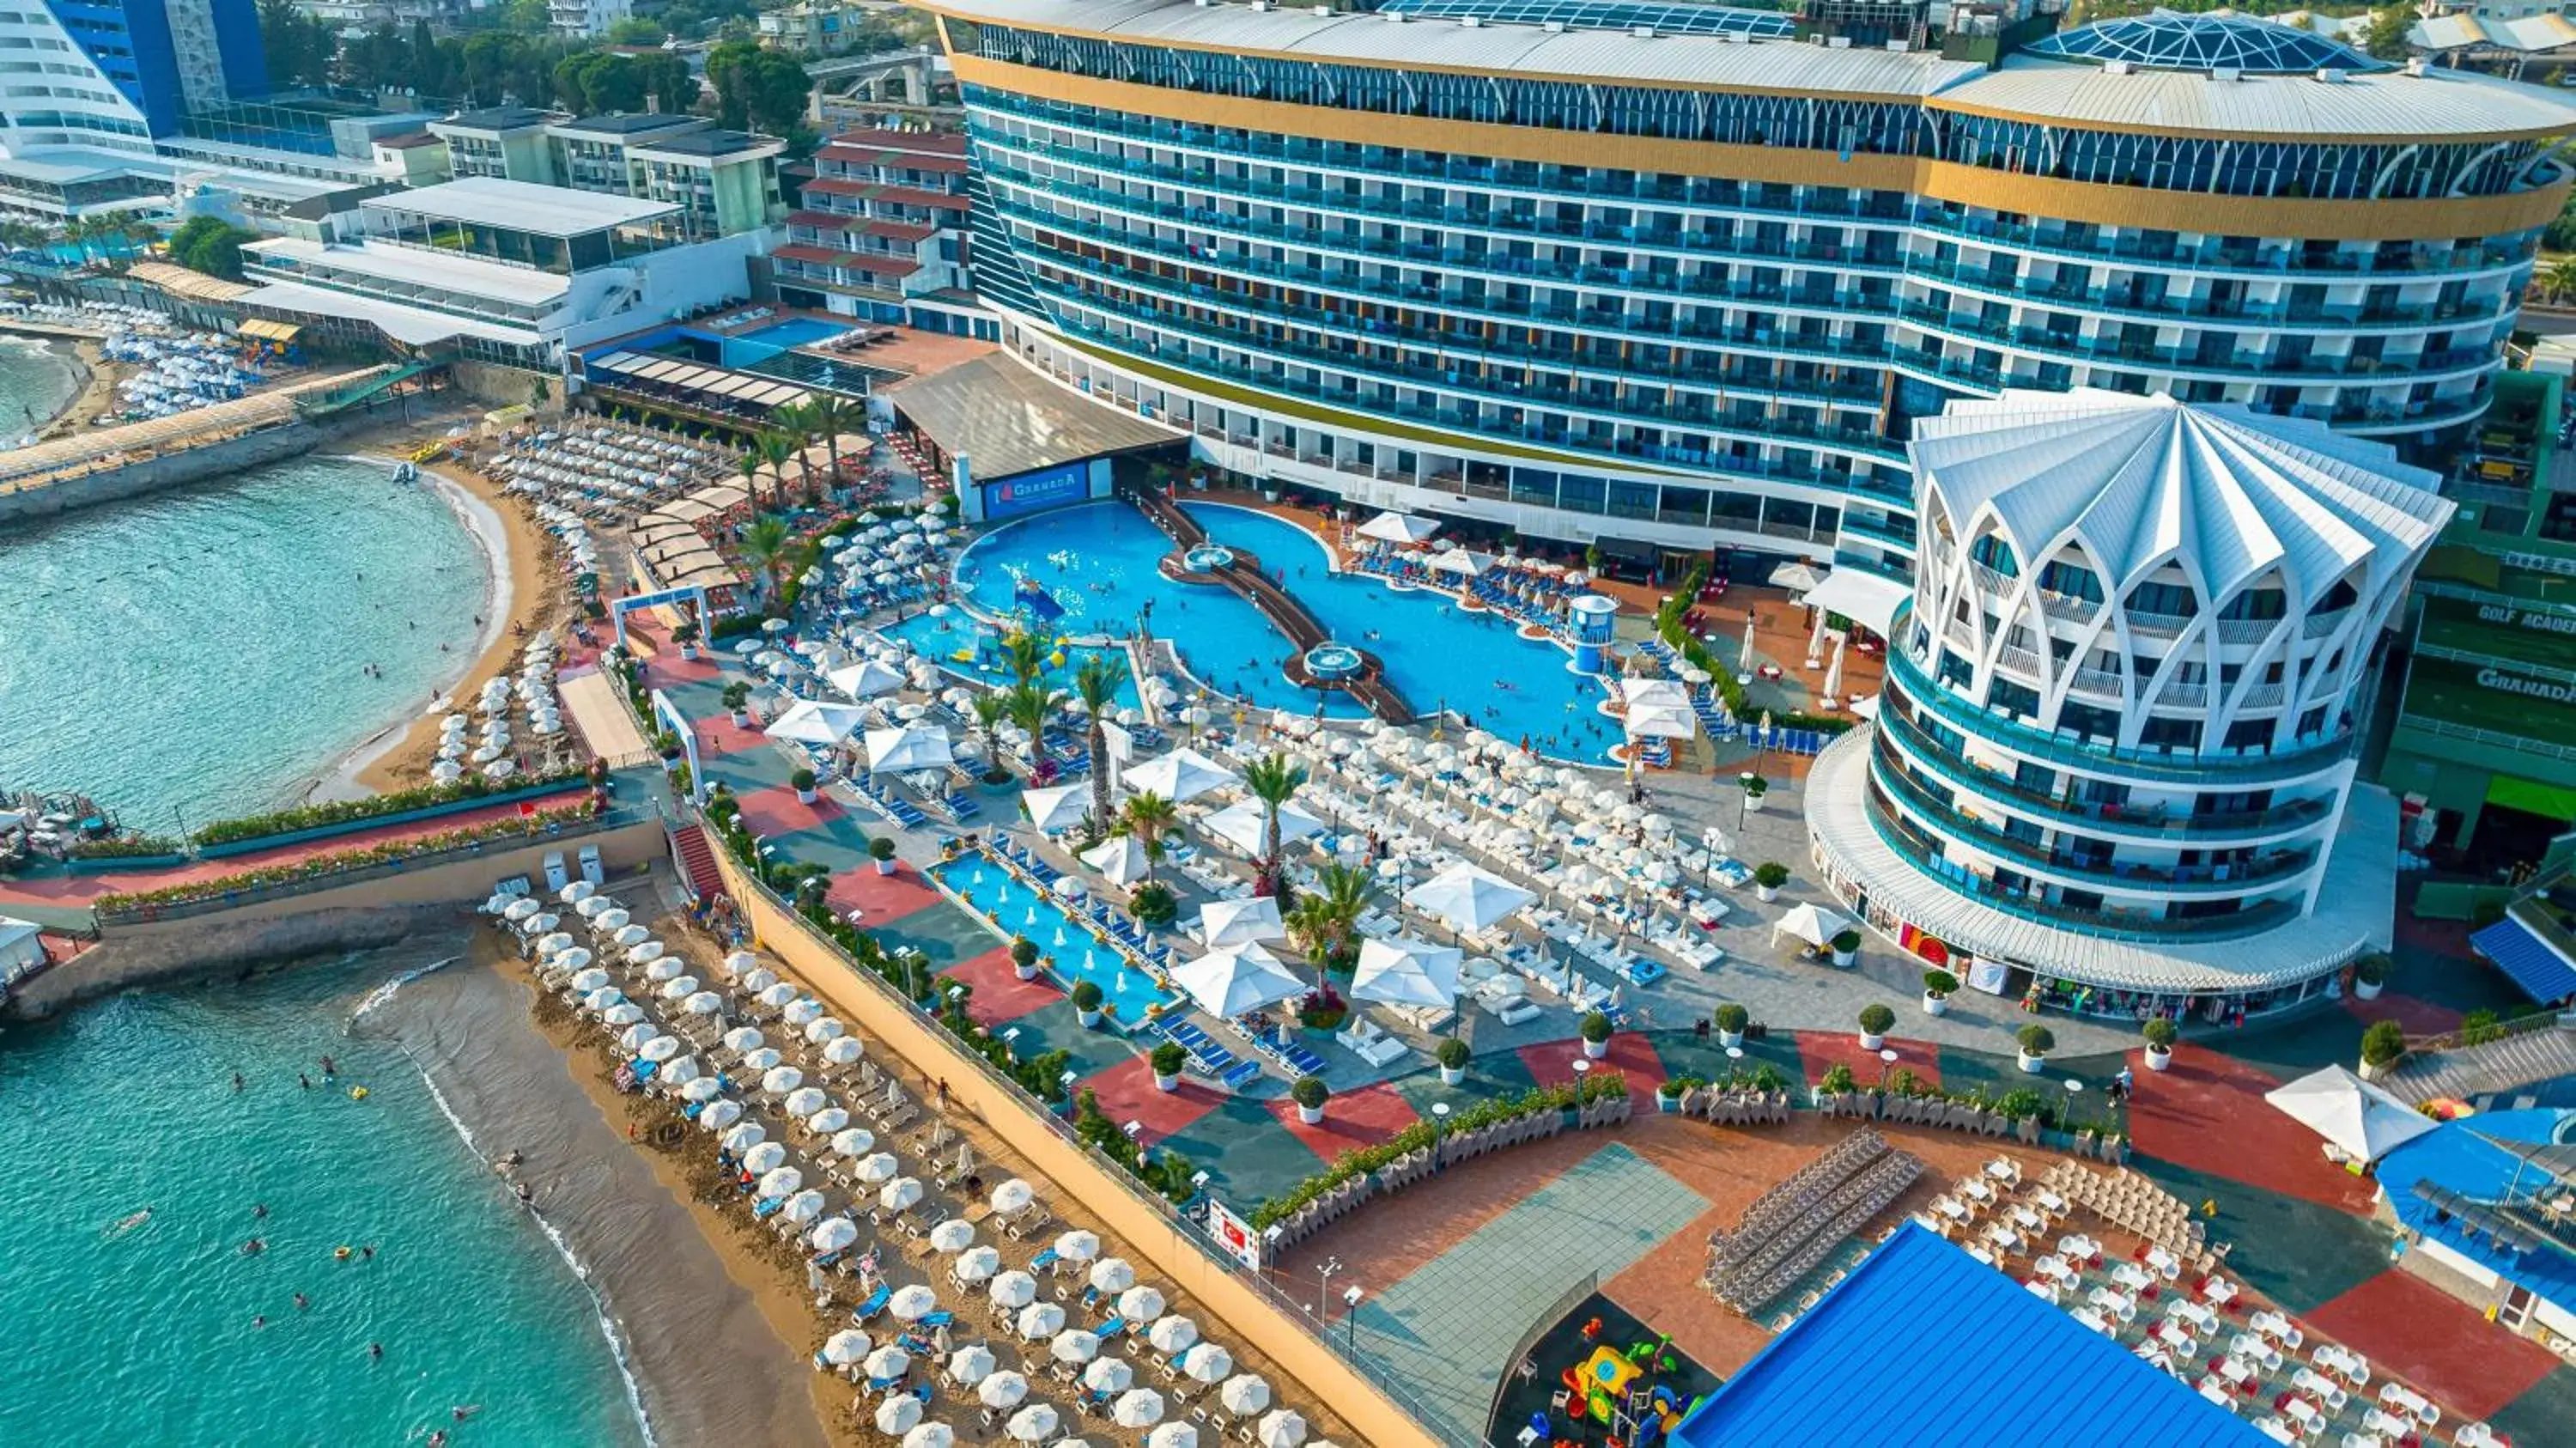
349, 811
128, 847
1668, 626
1595, 1086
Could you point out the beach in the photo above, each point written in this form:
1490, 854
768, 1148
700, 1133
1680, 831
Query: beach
97, 394
712, 1341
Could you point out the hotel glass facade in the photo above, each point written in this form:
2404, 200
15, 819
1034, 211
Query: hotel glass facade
1693, 290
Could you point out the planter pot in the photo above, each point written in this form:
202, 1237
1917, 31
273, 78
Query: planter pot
2159, 1060
1844, 958
1026, 972
1595, 1050
1869, 1042
1753, 802
2367, 990
995, 787
886, 867
1934, 1005
1452, 1076
1311, 1115
742, 718
1167, 1083
689, 652
1729, 1038
807, 796
1090, 1019
1765, 893
1668, 1104
2031, 1064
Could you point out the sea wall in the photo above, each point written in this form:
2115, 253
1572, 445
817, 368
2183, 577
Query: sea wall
110, 485
374, 911
1161, 1238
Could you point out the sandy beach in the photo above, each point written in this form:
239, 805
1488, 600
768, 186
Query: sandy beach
98, 379
712, 1341
525, 594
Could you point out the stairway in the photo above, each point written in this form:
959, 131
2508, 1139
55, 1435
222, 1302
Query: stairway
2490, 1068
697, 861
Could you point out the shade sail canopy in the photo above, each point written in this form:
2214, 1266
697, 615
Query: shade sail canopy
808, 721
1399, 528
1467, 897
1237, 980
1406, 972
2365, 1122
1183, 774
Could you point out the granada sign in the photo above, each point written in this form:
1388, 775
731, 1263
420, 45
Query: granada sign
2529, 688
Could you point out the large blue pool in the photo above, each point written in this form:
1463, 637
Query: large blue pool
987, 886
762, 343
961, 645
1098, 562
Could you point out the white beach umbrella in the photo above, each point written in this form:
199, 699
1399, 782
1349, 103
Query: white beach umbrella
803, 1207
1039, 1319
661, 1048
762, 1059
1109, 1375
1236, 980
1240, 922
1182, 775
644, 952
1073, 1346
931, 1435
802, 1012
842, 1051
521, 909
1245, 1394
1013, 1196
1033, 1424
621, 1015
552, 944
854, 1141
824, 1028
1468, 897
877, 1168
1140, 1304
1406, 972
977, 1264
679, 988
778, 996
495, 903
746, 1136
1002, 1390
1012, 1291
1172, 1333
846, 1348
681, 1071
1208, 1363
703, 1003
804, 1101
779, 1080
739, 962
573, 959
763, 1156
634, 1036
1172, 1435
610, 920
832, 1234
1137, 1408
1112, 1274
664, 967
701, 1088
971, 1364
954, 1235
759, 979
628, 935
780, 1181
913, 1303
888, 1361
576, 892
590, 980
1285, 1428
826, 1121
898, 1412
1077, 1246
900, 1194
743, 1038
719, 1115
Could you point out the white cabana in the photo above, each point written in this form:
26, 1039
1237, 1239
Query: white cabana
914, 746
1796, 577
1240, 922
1407, 973
1811, 924
1468, 898
1120, 859
1398, 528
1660, 723
1231, 982
1183, 774
865, 678
1459, 561
809, 721
2358, 1119
1060, 808
1653, 694
1243, 823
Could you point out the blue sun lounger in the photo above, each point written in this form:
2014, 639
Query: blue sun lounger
875, 1304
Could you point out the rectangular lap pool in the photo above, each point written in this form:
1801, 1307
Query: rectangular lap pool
1130, 994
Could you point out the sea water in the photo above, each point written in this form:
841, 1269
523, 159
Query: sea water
37, 381
146, 1333
204, 652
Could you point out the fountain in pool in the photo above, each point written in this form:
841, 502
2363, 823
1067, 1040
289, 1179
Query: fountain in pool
1059, 937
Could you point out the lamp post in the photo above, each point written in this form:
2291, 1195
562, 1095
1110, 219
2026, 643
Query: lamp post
1351, 1317
1886, 1066
1324, 1271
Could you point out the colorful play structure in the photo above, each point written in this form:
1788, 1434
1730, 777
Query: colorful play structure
1623, 1392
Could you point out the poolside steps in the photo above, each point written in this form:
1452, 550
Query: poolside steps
2490, 1068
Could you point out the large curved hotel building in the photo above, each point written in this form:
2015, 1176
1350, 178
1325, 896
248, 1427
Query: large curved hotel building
1690, 280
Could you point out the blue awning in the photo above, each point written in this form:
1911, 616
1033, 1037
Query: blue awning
2531, 962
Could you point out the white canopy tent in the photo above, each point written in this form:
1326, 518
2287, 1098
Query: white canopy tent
1183, 774
2358, 1119
1861, 596
914, 746
1796, 577
22, 946
1467, 897
1229, 982
1458, 560
1060, 808
1660, 723
1811, 924
1407, 973
1242, 823
1653, 694
809, 721
1120, 859
1240, 922
1399, 528
865, 678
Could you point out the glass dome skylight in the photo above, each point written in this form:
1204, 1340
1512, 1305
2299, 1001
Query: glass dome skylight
2164, 40
1669, 17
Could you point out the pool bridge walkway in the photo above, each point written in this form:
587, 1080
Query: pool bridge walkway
1242, 573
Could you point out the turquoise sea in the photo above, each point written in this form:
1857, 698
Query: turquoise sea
148, 1335
203, 653
36, 382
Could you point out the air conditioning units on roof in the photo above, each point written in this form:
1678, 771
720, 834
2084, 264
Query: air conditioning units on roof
2117, 67
1838, 42
2330, 75
1642, 32
2226, 72
1554, 27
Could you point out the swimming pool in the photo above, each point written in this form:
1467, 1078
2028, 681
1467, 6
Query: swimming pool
987, 886
1099, 562
762, 343
941, 639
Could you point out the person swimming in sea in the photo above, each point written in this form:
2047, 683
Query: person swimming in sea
375, 1352
254, 1247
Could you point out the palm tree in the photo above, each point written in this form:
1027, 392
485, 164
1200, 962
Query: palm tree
2559, 281
989, 712
1327, 919
798, 425
830, 415
764, 547
1030, 706
775, 450
1149, 817
1273, 781
750, 463
1097, 684
1024, 654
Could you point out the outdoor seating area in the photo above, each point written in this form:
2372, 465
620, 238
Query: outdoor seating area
973, 1311
605, 470
1795, 1226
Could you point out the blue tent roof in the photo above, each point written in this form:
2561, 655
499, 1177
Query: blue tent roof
1923, 1343
2526, 958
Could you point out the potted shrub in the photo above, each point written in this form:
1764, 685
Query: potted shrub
1154, 904
881, 850
1086, 1003
1024, 957
2035, 1041
1937, 986
1452, 1056
1755, 786
1846, 947
737, 702
2160, 1033
1310, 1093
1668, 1095
1768, 877
1595, 1031
1731, 1019
1837, 1081
804, 782
686, 636
2382, 1046
1168, 1059
2369, 975
1876, 1020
